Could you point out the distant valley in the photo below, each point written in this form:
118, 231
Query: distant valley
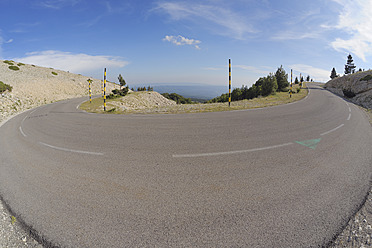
193, 91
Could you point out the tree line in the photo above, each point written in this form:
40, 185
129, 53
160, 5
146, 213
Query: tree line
177, 98
264, 86
349, 68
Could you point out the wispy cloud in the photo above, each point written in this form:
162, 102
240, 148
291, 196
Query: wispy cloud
355, 20
299, 26
318, 74
293, 35
77, 63
261, 70
57, 4
181, 41
221, 20
2, 42
252, 69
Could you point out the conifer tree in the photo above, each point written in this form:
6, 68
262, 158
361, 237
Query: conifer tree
121, 81
349, 67
333, 73
281, 78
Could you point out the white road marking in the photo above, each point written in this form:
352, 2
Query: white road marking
71, 150
20, 129
348, 118
332, 130
229, 153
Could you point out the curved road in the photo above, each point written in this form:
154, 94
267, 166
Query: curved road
285, 176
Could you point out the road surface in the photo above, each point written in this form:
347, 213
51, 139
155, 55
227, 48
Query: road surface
285, 176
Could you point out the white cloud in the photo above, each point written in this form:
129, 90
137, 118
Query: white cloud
317, 74
76, 63
221, 20
355, 20
180, 41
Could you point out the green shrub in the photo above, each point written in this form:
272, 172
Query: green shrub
112, 110
298, 90
14, 68
20, 64
4, 87
177, 98
112, 96
348, 93
54, 73
8, 62
366, 78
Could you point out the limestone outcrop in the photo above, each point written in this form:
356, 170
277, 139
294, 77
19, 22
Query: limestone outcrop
356, 87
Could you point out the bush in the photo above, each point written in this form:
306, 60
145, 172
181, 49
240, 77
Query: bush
5, 87
118, 93
112, 96
14, 68
8, 62
298, 90
20, 64
177, 98
54, 73
366, 78
348, 93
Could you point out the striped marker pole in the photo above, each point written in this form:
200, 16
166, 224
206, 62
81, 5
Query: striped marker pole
90, 90
102, 88
290, 92
104, 91
229, 82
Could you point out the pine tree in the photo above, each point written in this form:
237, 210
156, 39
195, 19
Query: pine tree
308, 78
121, 81
333, 73
296, 81
349, 67
281, 78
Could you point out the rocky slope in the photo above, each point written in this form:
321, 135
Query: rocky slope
356, 87
34, 86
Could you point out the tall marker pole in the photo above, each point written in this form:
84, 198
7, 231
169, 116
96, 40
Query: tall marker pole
90, 90
290, 92
229, 82
104, 91
102, 88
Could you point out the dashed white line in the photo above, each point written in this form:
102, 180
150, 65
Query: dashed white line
70, 150
348, 118
332, 130
20, 129
228, 153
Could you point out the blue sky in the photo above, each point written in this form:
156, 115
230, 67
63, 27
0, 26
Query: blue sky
167, 41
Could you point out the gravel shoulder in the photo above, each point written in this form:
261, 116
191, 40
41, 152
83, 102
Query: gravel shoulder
358, 231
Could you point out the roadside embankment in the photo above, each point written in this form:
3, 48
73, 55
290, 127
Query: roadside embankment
34, 86
356, 87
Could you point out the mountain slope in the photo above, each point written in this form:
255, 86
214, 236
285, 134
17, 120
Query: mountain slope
35, 85
356, 87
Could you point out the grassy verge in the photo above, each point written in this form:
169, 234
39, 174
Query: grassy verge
279, 98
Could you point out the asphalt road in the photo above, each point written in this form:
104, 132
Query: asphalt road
285, 176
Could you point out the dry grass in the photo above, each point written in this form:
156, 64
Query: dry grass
112, 105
